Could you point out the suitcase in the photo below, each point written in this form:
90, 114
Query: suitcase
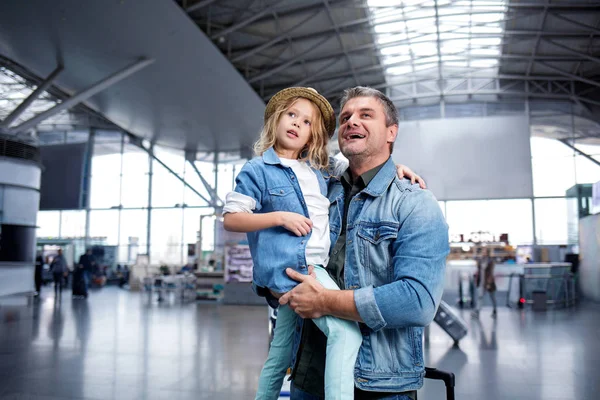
439, 375
450, 322
79, 288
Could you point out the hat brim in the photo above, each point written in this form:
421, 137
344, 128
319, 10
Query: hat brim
307, 93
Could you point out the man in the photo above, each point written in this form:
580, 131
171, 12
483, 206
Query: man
485, 279
391, 243
87, 262
38, 273
59, 270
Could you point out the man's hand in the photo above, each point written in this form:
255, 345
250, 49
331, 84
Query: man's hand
306, 299
296, 223
311, 272
405, 172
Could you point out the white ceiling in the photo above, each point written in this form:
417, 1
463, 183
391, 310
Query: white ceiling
191, 97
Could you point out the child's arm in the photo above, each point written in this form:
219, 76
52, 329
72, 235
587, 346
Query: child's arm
247, 222
240, 205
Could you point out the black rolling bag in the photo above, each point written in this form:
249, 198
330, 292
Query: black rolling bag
79, 288
450, 322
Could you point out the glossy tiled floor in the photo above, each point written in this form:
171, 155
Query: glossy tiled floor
120, 345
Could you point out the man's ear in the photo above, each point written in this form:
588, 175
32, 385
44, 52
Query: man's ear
392, 132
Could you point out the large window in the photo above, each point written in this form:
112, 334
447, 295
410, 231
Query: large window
72, 224
48, 223
104, 226
167, 190
106, 170
553, 167
133, 234
557, 167
551, 221
134, 187
494, 216
191, 176
166, 236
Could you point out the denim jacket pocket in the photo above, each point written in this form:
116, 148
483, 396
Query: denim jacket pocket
374, 250
282, 198
378, 232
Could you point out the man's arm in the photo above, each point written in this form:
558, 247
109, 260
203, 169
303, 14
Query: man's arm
419, 258
311, 300
419, 263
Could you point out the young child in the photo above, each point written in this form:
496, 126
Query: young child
280, 200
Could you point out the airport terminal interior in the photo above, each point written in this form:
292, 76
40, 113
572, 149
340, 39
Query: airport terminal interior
123, 127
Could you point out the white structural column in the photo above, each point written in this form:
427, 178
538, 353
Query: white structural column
19, 204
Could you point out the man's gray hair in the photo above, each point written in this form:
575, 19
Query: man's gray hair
391, 113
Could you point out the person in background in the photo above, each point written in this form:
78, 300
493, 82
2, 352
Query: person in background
59, 270
87, 262
485, 278
39, 268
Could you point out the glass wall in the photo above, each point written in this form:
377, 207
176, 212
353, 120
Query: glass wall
120, 206
122, 213
494, 216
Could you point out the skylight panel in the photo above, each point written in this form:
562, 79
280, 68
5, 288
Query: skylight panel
425, 35
395, 50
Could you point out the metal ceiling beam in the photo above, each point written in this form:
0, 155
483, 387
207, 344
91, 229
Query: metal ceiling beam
488, 93
285, 65
577, 23
438, 46
307, 36
215, 199
243, 23
175, 174
379, 67
586, 155
570, 75
367, 21
312, 7
573, 51
84, 95
341, 42
282, 36
16, 113
371, 46
261, 15
538, 38
319, 73
199, 5
566, 6
462, 75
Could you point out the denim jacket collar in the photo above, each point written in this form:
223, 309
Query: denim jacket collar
382, 180
270, 157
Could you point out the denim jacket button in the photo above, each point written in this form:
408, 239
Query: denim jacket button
281, 191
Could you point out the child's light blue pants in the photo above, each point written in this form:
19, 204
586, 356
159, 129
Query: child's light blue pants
343, 342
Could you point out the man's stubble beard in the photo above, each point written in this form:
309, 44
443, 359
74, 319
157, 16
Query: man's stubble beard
356, 157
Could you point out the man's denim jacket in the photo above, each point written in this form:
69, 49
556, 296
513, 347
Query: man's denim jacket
396, 248
275, 188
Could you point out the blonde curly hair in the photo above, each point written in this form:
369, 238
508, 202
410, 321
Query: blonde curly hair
315, 151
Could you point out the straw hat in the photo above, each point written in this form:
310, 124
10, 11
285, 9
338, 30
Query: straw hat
307, 93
